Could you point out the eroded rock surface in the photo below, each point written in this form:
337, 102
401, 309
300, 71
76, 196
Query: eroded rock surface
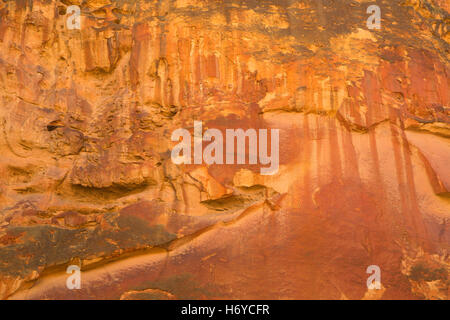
86, 176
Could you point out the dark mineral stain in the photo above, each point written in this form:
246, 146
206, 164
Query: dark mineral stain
48, 246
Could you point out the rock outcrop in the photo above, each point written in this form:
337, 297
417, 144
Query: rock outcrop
86, 176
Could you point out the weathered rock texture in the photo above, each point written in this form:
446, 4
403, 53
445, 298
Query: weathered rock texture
86, 176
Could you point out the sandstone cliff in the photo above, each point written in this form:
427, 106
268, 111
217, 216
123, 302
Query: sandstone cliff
86, 176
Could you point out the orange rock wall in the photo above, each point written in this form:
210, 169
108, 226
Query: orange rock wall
86, 176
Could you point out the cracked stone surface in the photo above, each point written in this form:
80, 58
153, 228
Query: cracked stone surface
86, 177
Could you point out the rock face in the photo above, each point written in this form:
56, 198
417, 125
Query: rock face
87, 179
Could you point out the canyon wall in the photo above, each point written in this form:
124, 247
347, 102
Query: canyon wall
87, 179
